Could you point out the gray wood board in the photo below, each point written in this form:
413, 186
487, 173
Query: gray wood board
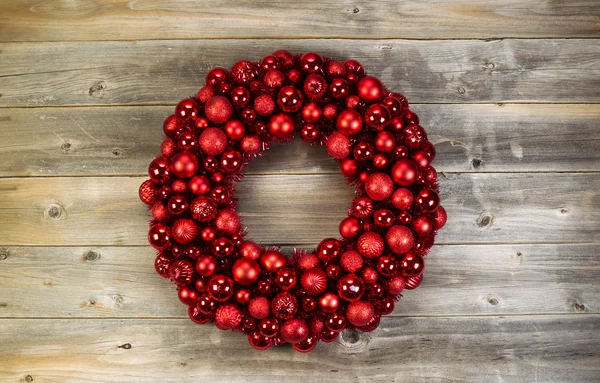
295, 209
143, 72
481, 138
517, 349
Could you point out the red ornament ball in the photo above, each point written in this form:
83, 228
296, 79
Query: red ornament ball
213, 141
245, 271
350, 287
402, 199
159, 236
184, 230
181, 272
203, 209
400, 239
314, 281
370, 245
351, 261
273, 260
220, 288
259, 307
349, 122
227, 221
379, 186
404, 172
329, 249
206, 265
184, 164
147, 192
370, 89
294, 330
228, 317
360, 313
281, 125
338, 145
218, 109
284, 305
412, 265
329, 303
350, 227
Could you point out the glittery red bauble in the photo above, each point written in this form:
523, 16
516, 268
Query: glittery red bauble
349, 122
227, 221
171, 125
159, 236
370, 245
218, 109
220, 288
289, 99
440, 217
184, 230
244, 71
273, 260
284, 305
314, 281
351, 261
186, 295
162, 263
350, 287
160, 212
228, 317
379, 186
427, 200
360, 313
259, 307
412, 265
251, 250
245, 271
350, 227
213, 141
370, 89
294, 330
206, 265
264, 105
404, 172
338, 145
395, 285
159, 170
147, 192
251, 144
329, 249
335, 68
181, 272
399, 239
377, 116
307, 261
369, 275
168, 148
402, 199
203, 209
280, 125
329, 303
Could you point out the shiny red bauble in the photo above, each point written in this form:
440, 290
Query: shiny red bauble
349, 122
329, 303
387, 266
427, 200
199, 185
412, 265
422, 226
184, 230
245, 271
329, 249
186, 109
159, 170
312, 112
404, 172
273, 260
187, 296
159, 236
280, 125
286, 279
385, 142
184, 164
350, 227
289, 99
220, 288
294, 330
181, 272
206, 265
377, 116
350, 287
311, 62
370, 89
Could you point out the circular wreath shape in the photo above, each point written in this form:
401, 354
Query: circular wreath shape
344, 283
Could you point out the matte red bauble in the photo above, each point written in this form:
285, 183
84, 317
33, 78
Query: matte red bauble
346, 282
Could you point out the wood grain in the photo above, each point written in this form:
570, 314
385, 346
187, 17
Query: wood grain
151, 72
468, 138
296, 209
520, 349
36, 20
67, 282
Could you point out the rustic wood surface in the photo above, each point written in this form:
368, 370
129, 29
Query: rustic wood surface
508, 93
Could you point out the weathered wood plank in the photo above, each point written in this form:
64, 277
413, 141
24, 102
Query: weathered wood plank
121, 141
519, 349
101, 73
53, 282
36, 20
294, 209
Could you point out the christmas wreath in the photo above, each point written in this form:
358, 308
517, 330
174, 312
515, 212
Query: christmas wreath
344, 283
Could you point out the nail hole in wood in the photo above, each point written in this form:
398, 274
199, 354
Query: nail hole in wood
579, 306
489, 66
97, 88
91, 256
29, 378
66, 146
3, 254
335, 370
117, 152
356, 10
461, 90
564, 211
126, 346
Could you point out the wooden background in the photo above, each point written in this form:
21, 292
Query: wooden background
508, 90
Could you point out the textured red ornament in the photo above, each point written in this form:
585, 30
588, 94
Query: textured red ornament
344, 283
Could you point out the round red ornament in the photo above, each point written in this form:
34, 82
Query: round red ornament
346, 282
